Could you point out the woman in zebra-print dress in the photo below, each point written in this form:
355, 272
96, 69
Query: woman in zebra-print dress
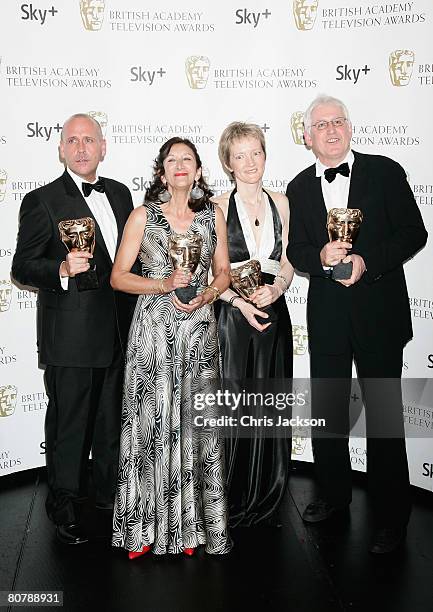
171, 483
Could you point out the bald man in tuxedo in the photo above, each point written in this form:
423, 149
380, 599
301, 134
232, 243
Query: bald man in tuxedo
81, 334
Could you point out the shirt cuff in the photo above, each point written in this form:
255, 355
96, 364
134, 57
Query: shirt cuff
64, 281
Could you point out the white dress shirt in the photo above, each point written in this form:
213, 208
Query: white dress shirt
103, 213
335, 194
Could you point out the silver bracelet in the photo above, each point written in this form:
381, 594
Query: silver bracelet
232, 299
282, 278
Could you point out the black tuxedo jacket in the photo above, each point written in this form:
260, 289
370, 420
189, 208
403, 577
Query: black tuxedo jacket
376, 309
75, 329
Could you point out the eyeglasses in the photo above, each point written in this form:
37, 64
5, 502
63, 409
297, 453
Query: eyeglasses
322, 125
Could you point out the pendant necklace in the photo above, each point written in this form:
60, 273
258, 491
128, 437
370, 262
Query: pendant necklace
257, 222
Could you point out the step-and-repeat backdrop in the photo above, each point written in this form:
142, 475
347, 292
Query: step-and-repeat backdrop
148, 71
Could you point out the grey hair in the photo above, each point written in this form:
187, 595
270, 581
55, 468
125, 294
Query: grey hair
83, 116
319, 101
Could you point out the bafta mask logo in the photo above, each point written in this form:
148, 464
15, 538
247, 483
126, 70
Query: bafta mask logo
299, 443
400, 66
197, 71
5, 294
305, 12
101, 118
300, 339
8, 400
297, 127
92, 14
3, 184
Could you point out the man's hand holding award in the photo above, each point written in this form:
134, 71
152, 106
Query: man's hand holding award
78, 236
343, 226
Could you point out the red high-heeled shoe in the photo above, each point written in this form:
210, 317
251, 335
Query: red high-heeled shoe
133, 554
189, 551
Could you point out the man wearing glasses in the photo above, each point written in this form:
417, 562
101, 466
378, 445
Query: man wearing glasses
365, 318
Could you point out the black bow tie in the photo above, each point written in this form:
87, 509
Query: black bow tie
331, 173
98, 186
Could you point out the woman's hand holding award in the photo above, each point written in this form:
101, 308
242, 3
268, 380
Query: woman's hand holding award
185, 251
247, 278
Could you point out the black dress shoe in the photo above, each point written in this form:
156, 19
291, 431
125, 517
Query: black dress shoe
320, 510
387, 540
70, 534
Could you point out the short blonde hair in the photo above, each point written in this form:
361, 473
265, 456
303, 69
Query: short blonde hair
235, 131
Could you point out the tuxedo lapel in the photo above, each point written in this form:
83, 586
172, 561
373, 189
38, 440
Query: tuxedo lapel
358, 183
75, 200
319, 213
117, 208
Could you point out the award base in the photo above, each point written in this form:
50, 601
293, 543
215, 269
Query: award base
186, 294
87, 281
342, 271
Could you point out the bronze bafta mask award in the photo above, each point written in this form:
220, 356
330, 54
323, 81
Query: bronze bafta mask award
185, 251
343, 224
247, 278
79, 235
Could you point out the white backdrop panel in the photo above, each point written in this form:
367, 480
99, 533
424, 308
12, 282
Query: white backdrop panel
262, 63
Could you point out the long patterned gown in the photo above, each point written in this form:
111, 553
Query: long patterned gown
171, 487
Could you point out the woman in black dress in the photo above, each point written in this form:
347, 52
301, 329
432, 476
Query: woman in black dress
252, 348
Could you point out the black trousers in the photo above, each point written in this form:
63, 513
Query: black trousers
379, 375
83, 414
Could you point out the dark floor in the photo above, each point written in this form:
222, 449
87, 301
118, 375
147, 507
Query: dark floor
294, 568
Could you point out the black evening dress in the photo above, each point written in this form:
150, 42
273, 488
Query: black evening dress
257, 467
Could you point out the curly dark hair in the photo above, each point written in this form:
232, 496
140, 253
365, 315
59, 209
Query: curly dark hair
157, 186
